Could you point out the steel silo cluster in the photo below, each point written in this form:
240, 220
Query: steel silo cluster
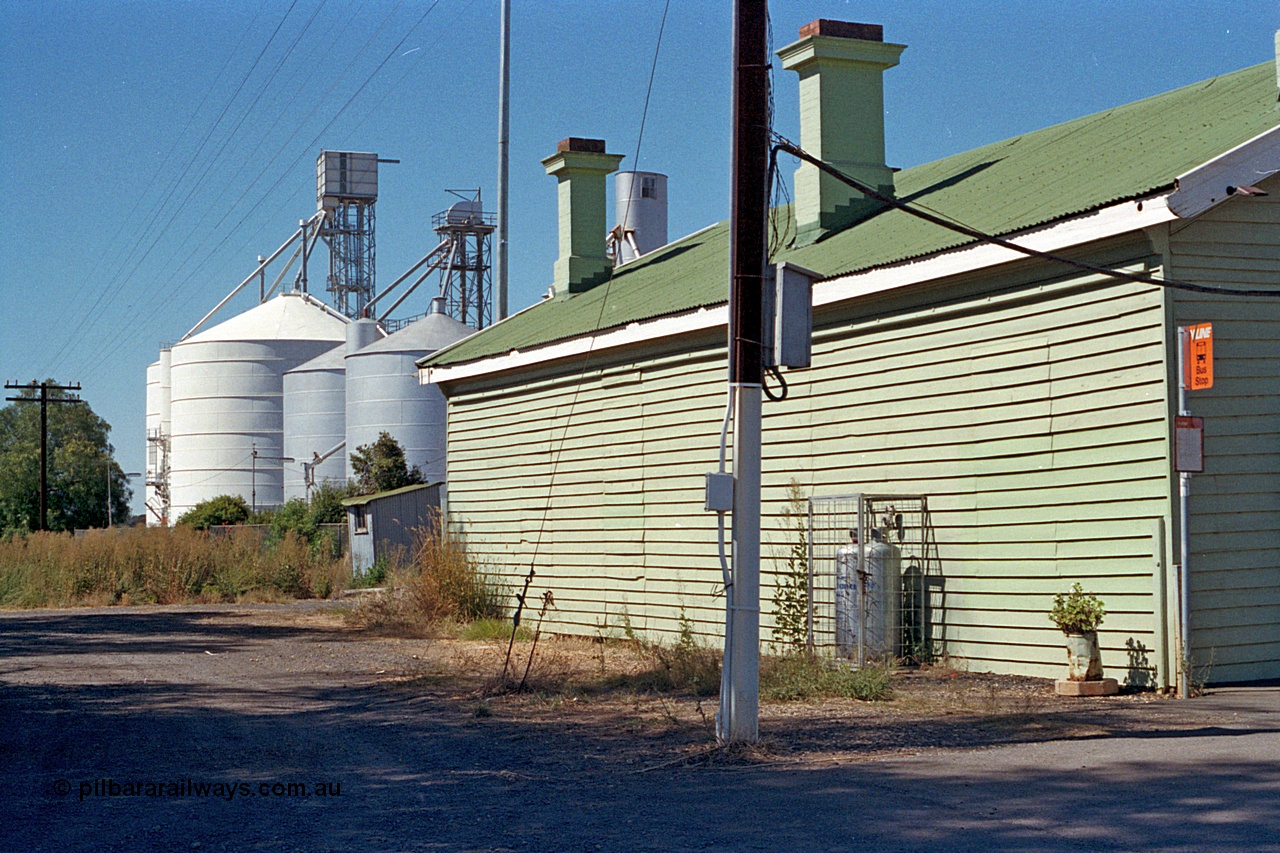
227, 399
384, 395
245, 407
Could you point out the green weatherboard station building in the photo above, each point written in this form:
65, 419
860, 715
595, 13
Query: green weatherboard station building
1032, 403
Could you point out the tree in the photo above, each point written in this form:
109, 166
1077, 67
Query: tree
80, 461
326, 502
223, 509
381, 466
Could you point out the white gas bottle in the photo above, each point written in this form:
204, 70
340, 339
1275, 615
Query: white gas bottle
880, 598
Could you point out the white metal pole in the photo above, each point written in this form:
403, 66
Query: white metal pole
1160, 609
109, 493
504, 155
738, 721
1184, 573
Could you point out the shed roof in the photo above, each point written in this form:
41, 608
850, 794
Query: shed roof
360, 500
1128, 152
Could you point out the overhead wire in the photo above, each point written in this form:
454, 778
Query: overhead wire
305, 150
227, 236
585, 362
787, 146
92, 314
154, 174
288, 169
159, 295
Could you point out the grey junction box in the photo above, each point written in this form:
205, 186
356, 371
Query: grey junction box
788, 316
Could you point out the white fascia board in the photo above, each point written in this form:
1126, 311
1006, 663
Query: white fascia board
633, 333
1207, 184
1097, 225
1109, 221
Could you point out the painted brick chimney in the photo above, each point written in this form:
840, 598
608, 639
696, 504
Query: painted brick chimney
580, 166
841, 67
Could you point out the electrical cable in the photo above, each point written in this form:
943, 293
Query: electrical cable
604, 301
93, 314
791, 148
153, 304
161, 294
151, 180
782, 383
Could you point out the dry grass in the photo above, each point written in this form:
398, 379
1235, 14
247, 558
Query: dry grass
160, 566
433, 592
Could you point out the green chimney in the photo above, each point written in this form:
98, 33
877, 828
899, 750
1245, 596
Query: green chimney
580, 167
841, 66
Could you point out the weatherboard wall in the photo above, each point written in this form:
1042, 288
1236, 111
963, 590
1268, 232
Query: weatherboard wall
1032, 412
1235, 503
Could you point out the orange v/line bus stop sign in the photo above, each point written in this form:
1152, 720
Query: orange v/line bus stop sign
1197, 357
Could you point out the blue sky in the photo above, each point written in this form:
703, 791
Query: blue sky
151, 150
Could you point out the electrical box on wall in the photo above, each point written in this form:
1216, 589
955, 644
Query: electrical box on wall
719, 492
788, 316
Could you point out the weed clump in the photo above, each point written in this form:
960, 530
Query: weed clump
441, 584
688, 665
804, 677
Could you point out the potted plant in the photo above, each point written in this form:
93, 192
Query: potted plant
1078, 614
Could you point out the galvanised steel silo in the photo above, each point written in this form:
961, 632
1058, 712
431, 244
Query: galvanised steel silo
158, 429
227, 399
315, 420
383, 394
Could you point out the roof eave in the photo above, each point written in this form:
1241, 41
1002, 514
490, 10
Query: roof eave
1209, 184
1110, 221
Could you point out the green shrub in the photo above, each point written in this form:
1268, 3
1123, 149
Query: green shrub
223, 509
791, 595
1077, 612
326, 502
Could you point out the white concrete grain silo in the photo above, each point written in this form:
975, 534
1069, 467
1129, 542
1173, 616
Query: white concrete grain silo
227, 399
383, 394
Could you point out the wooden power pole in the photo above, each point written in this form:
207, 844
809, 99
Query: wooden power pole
738, 719
41, 390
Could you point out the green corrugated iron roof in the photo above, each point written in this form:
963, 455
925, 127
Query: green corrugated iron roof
364, 499
1123, 153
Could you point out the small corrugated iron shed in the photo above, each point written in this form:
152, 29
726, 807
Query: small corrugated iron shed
387, 525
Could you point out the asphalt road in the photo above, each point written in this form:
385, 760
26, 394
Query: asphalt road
172, 698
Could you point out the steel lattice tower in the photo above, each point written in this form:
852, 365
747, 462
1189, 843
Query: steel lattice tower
466, 282
347, 190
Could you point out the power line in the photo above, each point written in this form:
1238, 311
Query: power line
152, 304
785, 145
154, 175
42, 520
92, 315
604, 301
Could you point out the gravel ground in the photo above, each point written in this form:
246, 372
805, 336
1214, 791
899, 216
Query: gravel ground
396, 747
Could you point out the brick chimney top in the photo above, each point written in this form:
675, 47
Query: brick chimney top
843, 30
574, 143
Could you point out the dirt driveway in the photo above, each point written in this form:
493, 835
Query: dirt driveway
279, 728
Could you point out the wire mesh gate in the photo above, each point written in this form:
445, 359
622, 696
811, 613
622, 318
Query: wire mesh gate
875, 583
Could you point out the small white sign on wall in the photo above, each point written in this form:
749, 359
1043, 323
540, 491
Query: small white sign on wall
1188, 434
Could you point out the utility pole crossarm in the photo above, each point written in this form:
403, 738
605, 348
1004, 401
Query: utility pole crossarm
42, 522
